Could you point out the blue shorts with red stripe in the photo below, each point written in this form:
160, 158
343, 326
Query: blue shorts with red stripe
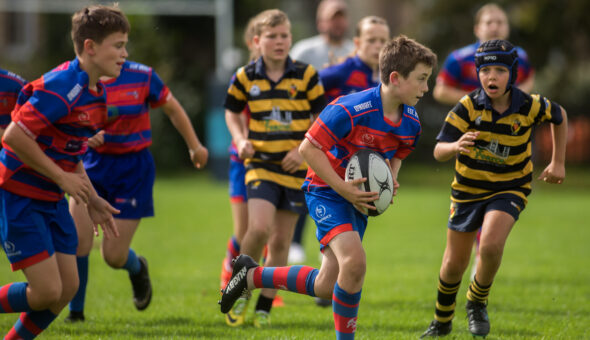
333, 215
126, 181
32, 230
237, 179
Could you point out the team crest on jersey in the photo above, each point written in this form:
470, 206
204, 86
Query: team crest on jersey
478, 121
515, 127
255, 91
368, 139
292, 91
83, 117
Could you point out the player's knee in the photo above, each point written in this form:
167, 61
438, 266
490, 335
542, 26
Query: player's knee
70, 288
354, 267
46, 296
490, 251
114, 260
259, 233
454, 267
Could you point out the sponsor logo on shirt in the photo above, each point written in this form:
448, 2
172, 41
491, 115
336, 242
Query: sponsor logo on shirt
363, 106
74, 92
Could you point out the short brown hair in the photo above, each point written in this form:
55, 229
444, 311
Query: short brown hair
270, 18
96, 23
371, 19
402, 54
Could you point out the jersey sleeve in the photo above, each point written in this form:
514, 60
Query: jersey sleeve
549, 111
456, 123
236, 98
330, 78
332, 125
158, 91
450, 72
40, 109
315, 91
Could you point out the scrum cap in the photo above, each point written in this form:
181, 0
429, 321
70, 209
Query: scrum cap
498, 52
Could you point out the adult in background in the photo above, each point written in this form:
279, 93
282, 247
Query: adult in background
458, 77
331, 43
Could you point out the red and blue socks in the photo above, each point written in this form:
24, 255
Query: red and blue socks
233, 248
30, 324
345, 307
298, 279
77, 303
13, 298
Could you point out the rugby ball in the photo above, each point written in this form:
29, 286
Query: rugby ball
369, 164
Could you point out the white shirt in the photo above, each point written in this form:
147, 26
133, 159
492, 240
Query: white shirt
317, 52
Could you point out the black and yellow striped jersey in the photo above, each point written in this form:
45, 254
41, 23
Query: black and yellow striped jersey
280, 114
500, 161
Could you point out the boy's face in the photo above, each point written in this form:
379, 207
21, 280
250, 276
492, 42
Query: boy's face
412, 88
274, 43
493, 24
370, 42
110, 54
494, 80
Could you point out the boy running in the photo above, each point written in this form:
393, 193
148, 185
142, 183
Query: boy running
282, 96
122, 171
41, 160
489, 134
382, 119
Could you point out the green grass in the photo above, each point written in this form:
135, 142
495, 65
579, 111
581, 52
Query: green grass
541, 291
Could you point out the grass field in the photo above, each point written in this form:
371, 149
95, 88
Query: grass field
541, 292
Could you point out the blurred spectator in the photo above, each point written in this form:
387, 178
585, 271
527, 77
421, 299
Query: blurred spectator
331, 43
458, 77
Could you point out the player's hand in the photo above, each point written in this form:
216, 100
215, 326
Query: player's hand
292, 161
553, 173
96, 140
199, 156
101, 213
76, 185
359, 198
245, 149
466, 141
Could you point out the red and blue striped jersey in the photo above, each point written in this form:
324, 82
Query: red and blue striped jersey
350, 76
60, 112
459, 69
129, 99
10, 86
355, 122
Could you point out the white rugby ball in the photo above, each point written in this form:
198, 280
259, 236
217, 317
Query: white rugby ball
369, 164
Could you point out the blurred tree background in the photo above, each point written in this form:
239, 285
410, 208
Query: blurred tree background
555, 34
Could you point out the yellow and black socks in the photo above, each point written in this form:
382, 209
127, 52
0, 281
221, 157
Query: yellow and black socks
477, 292
445, 301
